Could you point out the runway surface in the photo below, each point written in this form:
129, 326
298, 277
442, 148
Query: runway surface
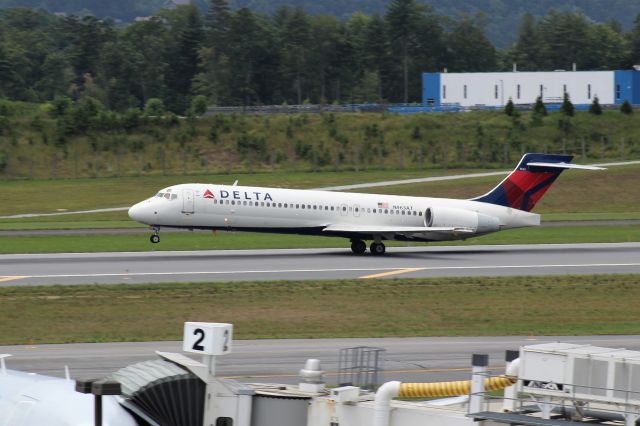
279, 361
145, 230
299, 264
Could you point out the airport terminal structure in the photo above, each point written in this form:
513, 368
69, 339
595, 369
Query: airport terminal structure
494, 89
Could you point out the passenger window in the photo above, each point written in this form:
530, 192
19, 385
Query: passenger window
268, 204
297, 206
344, 209
261, 203
303, 206
331, 208
244, 203
215, 201
419, 213
386, 211
233, 203
368, 210
251, 203
285, 205
356, 209
308, 207
315, 207
391, 211
403, 212
280, 205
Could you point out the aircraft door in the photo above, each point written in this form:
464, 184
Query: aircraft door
187, 201
356, 210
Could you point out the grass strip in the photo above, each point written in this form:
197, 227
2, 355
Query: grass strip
225, 240
556, 305
85, 194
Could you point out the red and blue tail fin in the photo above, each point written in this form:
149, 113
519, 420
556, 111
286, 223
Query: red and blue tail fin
533, 176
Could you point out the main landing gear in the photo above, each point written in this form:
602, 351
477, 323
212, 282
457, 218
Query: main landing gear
155, 238
377, 249
359, 247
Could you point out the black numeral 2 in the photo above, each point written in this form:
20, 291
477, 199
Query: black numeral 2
197, 346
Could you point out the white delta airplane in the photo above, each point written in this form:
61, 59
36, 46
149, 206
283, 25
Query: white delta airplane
357, 217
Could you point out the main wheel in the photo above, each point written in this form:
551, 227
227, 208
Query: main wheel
358, 246
377, 249
155, 238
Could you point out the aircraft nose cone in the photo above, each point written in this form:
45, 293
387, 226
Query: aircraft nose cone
135, 212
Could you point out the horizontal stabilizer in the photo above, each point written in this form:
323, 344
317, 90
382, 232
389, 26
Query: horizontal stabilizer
564, 166
382, 229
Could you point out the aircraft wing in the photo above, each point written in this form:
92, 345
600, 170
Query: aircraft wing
406, 230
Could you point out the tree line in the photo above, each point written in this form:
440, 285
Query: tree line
240, 57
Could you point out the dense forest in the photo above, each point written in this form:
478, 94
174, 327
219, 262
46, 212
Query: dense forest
228, 57
502, 15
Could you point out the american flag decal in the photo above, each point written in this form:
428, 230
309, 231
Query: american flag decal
383, 205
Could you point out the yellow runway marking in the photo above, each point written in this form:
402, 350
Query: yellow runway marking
394, 272
11, 278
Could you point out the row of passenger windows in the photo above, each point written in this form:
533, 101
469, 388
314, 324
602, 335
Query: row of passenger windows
316, 207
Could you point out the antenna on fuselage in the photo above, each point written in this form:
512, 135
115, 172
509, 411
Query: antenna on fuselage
235, 183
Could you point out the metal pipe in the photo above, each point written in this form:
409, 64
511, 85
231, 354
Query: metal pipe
390, 390
382, 407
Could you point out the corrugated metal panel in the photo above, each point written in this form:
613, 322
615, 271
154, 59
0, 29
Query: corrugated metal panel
165, 392
431, 89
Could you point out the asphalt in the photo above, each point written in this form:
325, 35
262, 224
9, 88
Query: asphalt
414, 359
145, 230
304, 264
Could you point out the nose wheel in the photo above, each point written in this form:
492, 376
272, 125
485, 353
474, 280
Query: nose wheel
155, 238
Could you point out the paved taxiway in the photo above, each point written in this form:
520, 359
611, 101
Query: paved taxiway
279, 361
298, 264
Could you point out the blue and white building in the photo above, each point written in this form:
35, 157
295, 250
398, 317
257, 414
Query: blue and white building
494, 89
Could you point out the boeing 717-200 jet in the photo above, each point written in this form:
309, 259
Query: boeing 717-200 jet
357, 217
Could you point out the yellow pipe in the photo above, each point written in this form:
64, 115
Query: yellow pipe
442, 389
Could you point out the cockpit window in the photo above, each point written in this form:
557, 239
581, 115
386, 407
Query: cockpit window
174, 196
159, 194
167, 195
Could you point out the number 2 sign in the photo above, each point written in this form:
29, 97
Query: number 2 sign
207, 338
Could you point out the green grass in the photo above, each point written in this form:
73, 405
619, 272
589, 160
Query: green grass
603, 304
224, 240
614, 191
51, 196
309, 142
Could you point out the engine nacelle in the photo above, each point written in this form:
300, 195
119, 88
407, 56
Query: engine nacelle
451, 217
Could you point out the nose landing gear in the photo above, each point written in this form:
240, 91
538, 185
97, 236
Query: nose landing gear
155, 238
